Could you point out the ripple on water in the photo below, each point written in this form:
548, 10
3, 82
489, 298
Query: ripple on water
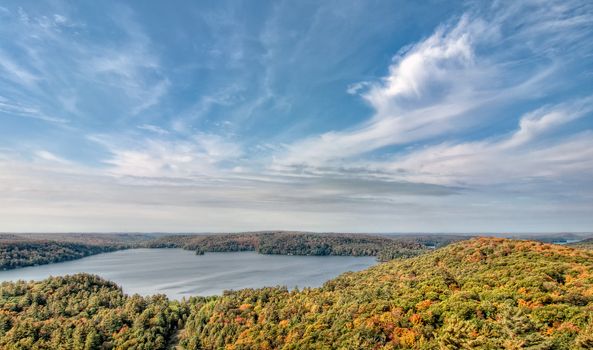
180, 273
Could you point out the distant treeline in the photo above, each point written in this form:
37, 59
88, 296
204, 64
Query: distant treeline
209, 243
35, 249
299, 243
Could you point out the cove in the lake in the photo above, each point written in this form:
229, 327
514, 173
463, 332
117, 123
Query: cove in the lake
180, 273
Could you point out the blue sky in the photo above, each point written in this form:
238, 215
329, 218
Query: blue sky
359, 116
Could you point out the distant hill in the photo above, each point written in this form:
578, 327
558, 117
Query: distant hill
306, 243
584, 244
11, 237
485, 293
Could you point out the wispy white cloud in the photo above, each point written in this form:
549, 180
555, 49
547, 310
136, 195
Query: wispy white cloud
48, 156
520, 157
428, 85
355, 88
16, 109
133, 67
63, 64
450, 82
153, 128
15, 72
198, 156
544, 120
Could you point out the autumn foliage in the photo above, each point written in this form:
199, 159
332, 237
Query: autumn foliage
484, 293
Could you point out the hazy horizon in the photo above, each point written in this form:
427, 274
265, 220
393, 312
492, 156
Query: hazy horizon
584, 234
346, 116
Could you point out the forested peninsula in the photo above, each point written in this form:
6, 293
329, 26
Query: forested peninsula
302, 243
38, 249
20, 253
485, 293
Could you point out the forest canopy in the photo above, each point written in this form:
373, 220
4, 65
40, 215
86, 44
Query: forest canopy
483, 293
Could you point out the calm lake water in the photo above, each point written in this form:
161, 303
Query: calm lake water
178, 273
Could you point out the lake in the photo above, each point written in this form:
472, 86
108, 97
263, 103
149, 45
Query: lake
181, 273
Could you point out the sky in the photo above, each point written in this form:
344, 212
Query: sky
351, 116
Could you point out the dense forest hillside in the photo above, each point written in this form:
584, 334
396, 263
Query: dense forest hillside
84, 312
483, 293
